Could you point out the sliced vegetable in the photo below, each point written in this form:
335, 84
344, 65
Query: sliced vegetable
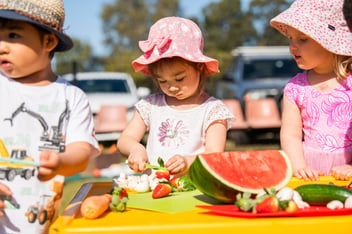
334, 205
94, 206
119, 200
183, 183
348, 202
155, 167
288, 205
160, 167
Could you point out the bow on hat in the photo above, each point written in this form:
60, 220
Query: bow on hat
159, 43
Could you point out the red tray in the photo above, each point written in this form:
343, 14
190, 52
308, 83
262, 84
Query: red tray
232, 210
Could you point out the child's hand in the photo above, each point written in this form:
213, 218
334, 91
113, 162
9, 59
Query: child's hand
49, 163
4, 190
137, 158
343, 172
307, 173
177, 164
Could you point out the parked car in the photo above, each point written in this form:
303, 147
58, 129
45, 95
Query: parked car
108, 88
256, 78
112, 96
257, 72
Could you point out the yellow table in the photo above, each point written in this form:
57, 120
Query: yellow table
196, 221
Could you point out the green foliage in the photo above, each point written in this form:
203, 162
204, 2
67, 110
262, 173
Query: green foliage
79, 58
261, 12
225, 25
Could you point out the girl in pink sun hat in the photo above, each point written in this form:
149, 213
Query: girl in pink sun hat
182, 120
316, 131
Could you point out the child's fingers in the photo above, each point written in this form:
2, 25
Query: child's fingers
5, 190
342, 172
307, 174
2, 205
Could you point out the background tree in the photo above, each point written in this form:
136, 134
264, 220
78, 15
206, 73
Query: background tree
128, 22
225, 24
262, 11
225, 27
82, 54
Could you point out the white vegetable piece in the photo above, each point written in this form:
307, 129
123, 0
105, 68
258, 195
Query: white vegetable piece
302, 204
142, 187
285, 194
261, 193
296, 196
334, 204
348, 202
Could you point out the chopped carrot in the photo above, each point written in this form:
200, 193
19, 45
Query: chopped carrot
94, 206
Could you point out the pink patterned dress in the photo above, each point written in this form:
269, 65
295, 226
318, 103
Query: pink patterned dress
327, 122
179, 131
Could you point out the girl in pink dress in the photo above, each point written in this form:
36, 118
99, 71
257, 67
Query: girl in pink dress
317, 104
182, 120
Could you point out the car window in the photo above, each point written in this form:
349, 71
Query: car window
103, 86
273, 68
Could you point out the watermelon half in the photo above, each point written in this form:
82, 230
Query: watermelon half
223, 175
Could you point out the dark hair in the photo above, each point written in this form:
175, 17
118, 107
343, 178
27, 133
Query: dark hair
154, 67
347, 12
5, 22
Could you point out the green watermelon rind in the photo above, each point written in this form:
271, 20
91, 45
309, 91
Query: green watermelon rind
215, 189
213, 185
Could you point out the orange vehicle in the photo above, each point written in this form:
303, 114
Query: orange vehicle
44, 209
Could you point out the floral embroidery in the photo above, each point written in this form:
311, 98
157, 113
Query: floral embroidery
327, 117
172, 133
328, 143
338, 108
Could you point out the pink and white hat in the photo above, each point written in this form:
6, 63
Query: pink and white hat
322, 20
174, 37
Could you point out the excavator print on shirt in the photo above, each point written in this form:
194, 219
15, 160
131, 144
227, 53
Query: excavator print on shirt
54, 138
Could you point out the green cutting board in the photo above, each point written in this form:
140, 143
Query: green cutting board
175, 202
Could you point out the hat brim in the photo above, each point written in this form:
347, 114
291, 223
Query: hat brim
315, 29
141, 63
65, 42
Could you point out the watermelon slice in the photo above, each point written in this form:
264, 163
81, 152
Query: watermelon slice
223, 175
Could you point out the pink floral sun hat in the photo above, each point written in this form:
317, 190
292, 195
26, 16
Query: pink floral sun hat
322, 20
174, 37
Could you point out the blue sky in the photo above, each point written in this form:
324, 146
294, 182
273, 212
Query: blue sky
83, 19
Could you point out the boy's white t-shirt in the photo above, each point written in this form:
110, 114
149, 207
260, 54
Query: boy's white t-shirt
33, 119
181, 132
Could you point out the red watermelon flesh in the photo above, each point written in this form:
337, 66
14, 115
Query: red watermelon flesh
228, 173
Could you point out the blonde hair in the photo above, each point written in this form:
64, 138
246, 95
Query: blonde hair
342, 66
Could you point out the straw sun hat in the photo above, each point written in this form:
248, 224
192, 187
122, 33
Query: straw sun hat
322, 20
174, 37
46, 14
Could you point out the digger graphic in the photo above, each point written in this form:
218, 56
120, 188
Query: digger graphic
53, 136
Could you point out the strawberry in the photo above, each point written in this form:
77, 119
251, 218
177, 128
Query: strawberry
268, 205
123, 194
161, 190
162, 174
